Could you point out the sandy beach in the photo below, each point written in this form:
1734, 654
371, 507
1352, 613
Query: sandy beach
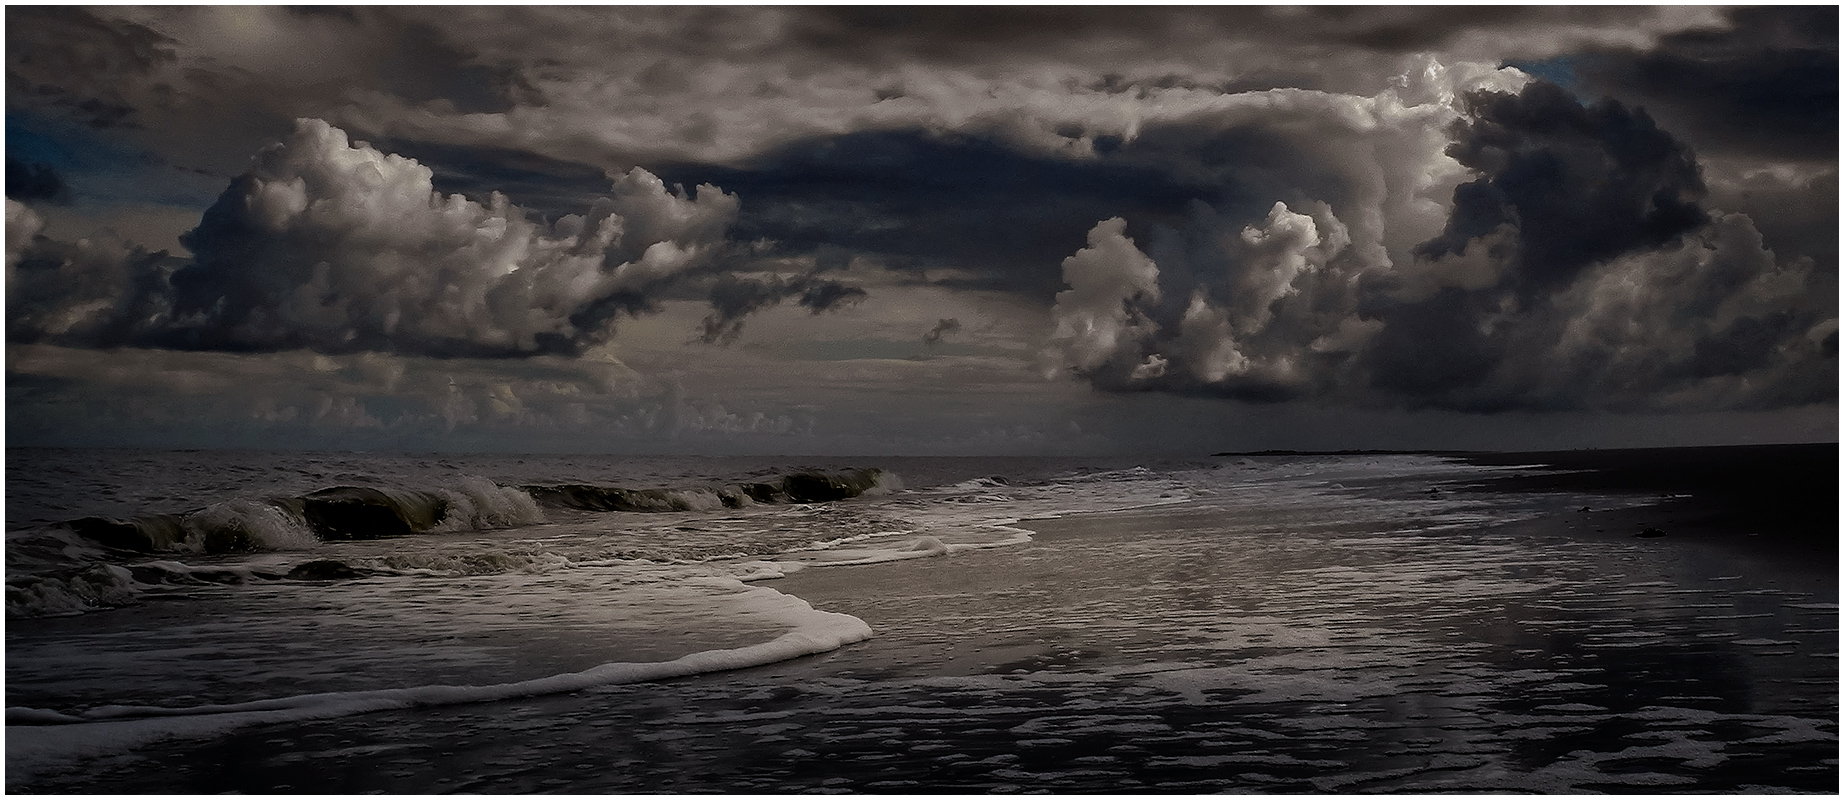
1142, 651
940, 399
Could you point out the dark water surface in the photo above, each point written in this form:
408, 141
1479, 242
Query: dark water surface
1360, 631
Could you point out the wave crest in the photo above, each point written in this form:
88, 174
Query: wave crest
799, 487
336, 513
480, 504
97, 587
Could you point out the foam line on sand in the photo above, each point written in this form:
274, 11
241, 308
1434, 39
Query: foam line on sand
39, 740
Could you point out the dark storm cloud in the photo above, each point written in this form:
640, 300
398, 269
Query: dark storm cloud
1713, 320
1577, 270
1767, 86
1256, 240
83, 66
1561, 187
30, 181
113, 65
737, 295
886, 33
423, 66
919, 201
1577, 210
1795, 206
619, 87
1411, 28
1580, 184
94, 292
550, 186
201, 87
828, 295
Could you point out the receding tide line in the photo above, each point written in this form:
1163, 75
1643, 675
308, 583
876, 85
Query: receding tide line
49, 740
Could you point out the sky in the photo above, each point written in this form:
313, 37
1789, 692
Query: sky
921, 231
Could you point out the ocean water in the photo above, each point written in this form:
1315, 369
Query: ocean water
353, 622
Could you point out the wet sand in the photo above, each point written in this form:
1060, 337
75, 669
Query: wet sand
1769, 500
1140, 652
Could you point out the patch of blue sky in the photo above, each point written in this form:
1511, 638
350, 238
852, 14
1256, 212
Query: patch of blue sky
1559, 70
102, 168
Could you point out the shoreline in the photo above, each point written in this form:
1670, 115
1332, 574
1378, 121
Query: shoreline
1778, 501
1163, 648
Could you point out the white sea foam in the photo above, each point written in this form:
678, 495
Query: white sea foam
472, 561
97, 587
862, 553
41, 740
166, 571
1283, 585
268, 527
477, 503
574, 557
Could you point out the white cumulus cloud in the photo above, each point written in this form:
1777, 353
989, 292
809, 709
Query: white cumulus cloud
335, 246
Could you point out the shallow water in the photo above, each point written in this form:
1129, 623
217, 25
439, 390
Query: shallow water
1302, 624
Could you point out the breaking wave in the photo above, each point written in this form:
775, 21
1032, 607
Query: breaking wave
78, 566
76, 591
800, 487
369, 512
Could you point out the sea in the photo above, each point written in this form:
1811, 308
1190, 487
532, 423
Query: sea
244, 621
